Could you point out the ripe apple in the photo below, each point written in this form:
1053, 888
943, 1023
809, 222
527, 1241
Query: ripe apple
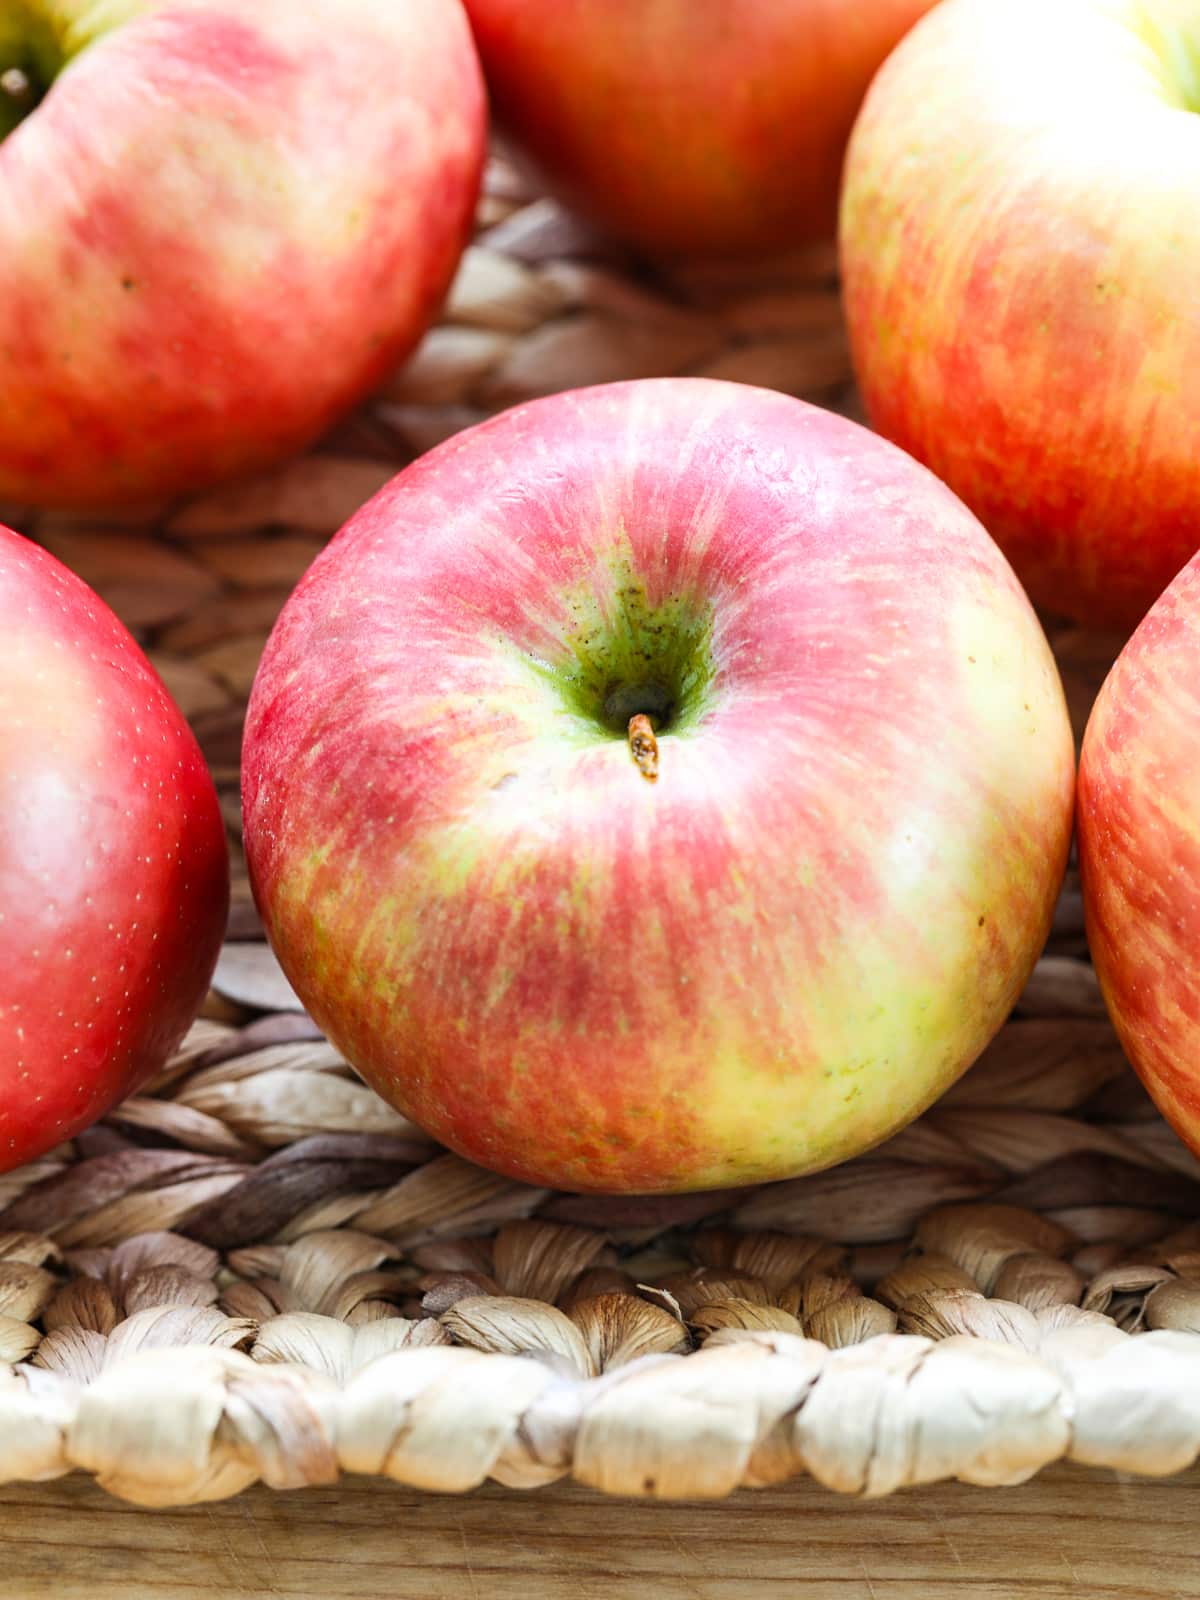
113, 864
221, 222
1139, 849
689, 125
1020, 252
664, 785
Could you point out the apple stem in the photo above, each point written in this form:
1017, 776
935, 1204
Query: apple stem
643, 746
16, 85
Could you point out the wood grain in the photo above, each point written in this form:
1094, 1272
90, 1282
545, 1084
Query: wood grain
1072, 1535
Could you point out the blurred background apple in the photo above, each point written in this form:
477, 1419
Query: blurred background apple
713, 126
1139, 849
221, 222
113, 865
1020, 254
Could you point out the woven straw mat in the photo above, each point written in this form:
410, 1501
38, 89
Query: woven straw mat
256, 1270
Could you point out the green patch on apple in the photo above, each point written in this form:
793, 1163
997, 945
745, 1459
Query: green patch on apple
622, 654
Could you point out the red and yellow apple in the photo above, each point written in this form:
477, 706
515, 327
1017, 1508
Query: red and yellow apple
1139, 849
689, 125
113, 864
767, 957
221, 221
1020, 251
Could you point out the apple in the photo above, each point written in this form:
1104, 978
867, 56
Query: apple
661, 786
1020, 250
113, 862
221, 223
1139, 849
714, 126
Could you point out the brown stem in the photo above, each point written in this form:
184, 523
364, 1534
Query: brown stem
17, 86
643, 746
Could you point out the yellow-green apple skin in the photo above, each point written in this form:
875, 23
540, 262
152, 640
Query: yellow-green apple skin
1139, 849
1020, 245
220, 224
704, 126
768, 959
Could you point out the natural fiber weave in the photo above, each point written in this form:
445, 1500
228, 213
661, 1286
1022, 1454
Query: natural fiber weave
256, 1269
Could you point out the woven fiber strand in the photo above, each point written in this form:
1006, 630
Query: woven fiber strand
255, 1269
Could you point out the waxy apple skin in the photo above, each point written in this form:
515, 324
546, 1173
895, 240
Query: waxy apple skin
771, 957
1139, 849
113, 862
224, 223
1020, 248
711, 126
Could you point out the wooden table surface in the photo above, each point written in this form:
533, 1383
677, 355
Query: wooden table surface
1072, 1534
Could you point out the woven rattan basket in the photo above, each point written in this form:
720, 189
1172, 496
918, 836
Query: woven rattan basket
256, 1269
